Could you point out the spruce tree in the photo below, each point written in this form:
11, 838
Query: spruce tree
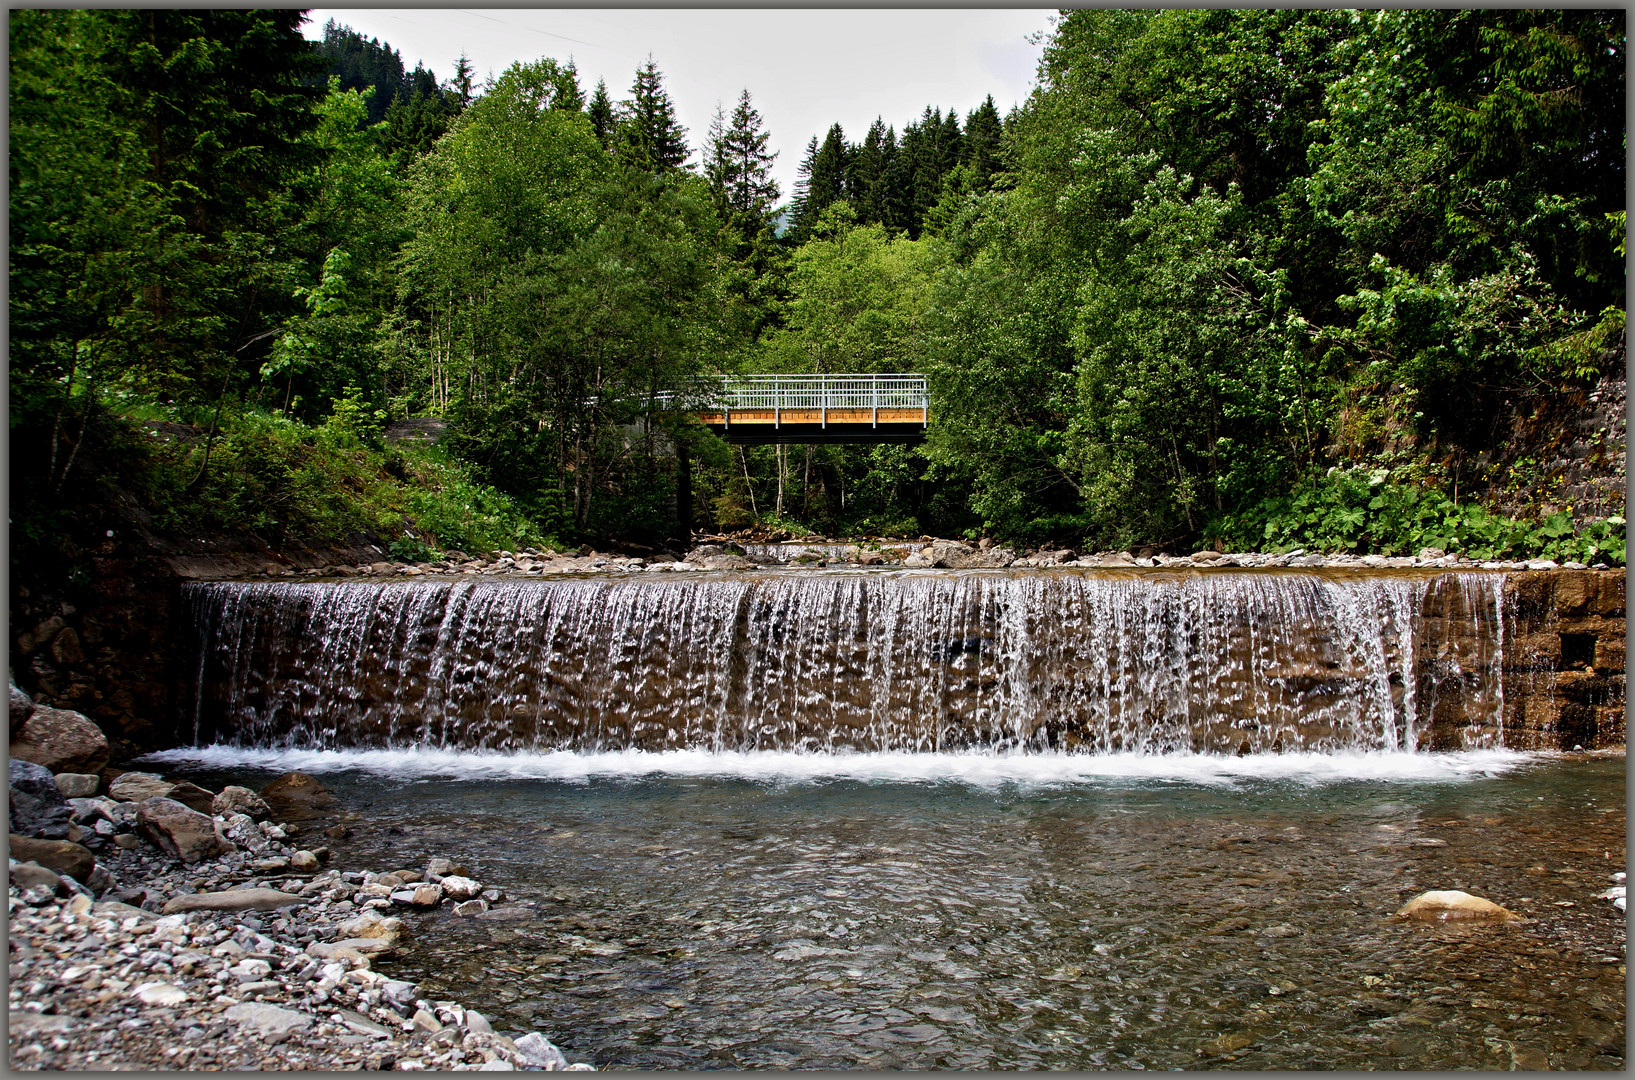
866, 178
654, 141
601, 113
461, 84
565, 92
739, 169
896, 185
798, 215
360, 64
983, 135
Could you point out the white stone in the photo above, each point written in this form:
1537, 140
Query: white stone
461, 888
159, 993
1450, 905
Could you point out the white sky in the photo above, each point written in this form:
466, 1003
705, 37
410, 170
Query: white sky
805, 69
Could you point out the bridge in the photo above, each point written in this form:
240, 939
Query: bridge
762, 409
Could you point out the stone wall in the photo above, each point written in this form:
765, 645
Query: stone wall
108, 640
1564, 659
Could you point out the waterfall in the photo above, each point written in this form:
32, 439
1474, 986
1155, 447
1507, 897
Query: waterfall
1097, 662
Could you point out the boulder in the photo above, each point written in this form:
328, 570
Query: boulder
233, 799
232, 900
193, 797
179, 831
991, 557
471, 907
78, 785
139, 786
296, 795
1449, 905
37, 805
950, 554
60, 739
63, 856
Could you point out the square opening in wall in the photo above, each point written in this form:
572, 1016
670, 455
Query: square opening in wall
1577, 650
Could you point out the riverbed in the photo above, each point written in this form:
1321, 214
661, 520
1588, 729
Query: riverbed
1036, 911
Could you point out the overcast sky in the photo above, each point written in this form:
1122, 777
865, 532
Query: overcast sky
805, 69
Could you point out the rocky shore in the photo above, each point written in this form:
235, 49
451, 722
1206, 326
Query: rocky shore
158, 925
927, 552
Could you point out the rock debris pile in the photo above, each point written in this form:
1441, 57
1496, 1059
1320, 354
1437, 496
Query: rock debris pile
925, 553
148, 934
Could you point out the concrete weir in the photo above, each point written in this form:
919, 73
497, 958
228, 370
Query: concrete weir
1097, 661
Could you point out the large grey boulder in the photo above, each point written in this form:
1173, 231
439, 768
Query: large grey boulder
38, 809
180, 832
60, 739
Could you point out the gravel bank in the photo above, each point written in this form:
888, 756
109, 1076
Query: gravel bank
238, 962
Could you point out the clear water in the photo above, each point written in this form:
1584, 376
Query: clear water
983, 911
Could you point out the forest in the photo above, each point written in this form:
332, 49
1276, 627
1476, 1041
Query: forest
1257, 279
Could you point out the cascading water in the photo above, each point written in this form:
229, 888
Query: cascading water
1098, 662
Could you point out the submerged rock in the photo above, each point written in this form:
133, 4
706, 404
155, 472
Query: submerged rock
295, 794
1449, 905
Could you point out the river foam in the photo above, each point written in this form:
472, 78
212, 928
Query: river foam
984, 770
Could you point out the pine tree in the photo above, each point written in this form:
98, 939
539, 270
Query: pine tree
739, 169
601, 113
653, 141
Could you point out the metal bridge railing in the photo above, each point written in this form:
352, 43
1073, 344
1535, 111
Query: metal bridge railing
796, 392
779, 394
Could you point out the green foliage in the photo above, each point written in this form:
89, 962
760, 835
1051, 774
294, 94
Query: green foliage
1362, 510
